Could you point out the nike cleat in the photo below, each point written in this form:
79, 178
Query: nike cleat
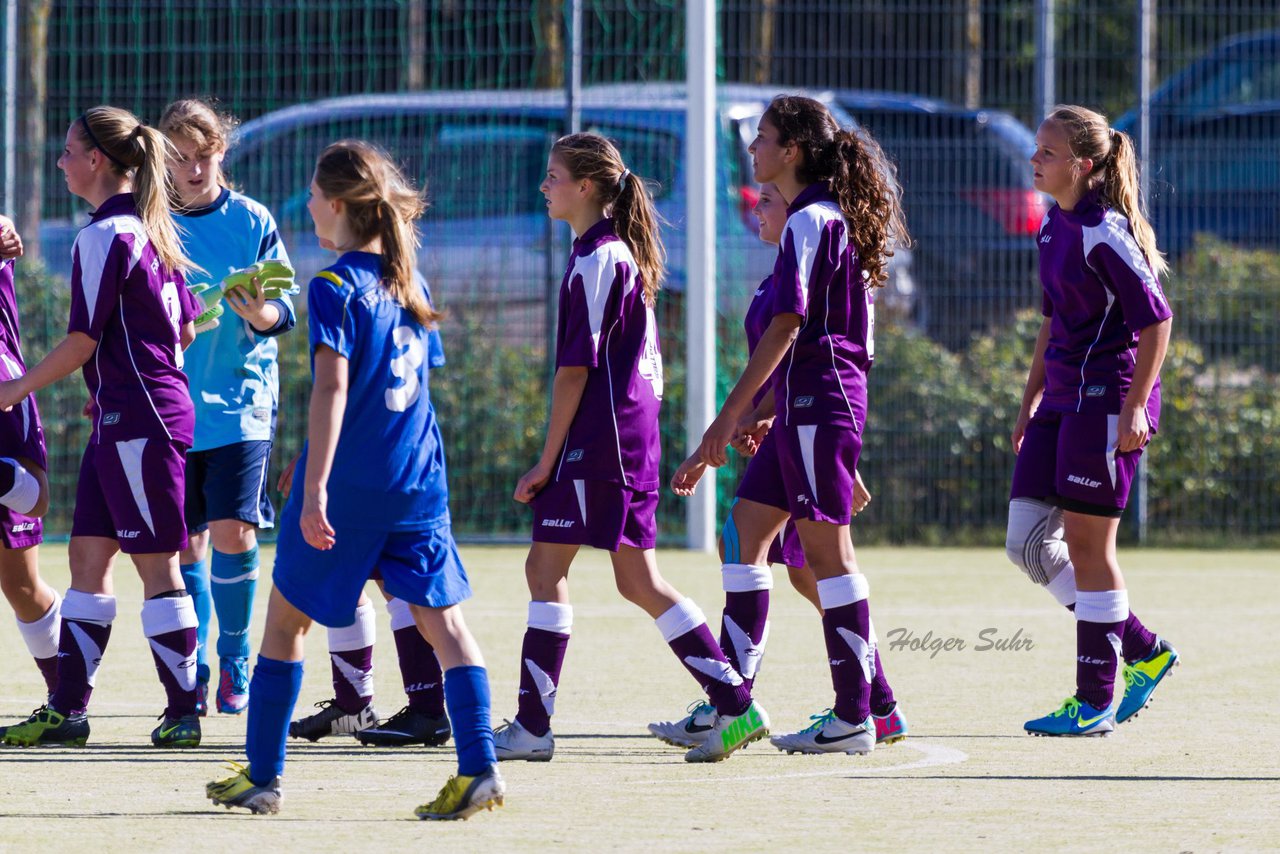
1074, 717
407, 726
830, 734
233, 685
512, 741
1142, 677
177, 732
890, 728
332, 720
240, 791
463, 797
48, 727
202, 690
731, 733
689, 731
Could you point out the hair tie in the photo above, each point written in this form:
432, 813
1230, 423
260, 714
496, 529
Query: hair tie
93, 141
622, 179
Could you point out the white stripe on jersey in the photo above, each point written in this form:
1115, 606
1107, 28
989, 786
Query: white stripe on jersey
15, 371
1114, 233
92, 245
128, 346
131, 460
1084, 363
597, 271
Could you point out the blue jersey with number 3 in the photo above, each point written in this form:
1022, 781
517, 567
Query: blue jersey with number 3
388, 471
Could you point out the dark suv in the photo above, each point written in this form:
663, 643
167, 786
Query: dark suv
970, 205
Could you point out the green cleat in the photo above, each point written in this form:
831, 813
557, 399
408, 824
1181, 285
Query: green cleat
177, 732
240, 791
49, 727
731, 733
463, 797
1142, 677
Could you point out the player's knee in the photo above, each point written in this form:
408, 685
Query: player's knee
1033, 539
17, 587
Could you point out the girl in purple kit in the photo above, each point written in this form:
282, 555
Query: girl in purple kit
24, 488
596, 483
745, 551
130, 319
1091, 404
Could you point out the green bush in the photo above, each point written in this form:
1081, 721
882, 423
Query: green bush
1225, 299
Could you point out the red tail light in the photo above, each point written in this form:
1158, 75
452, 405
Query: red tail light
1019, 212
747, 198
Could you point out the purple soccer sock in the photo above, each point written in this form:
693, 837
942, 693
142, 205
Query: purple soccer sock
1100, 619
684, 628
351, 660
881, 700
41, 637
49, 670
169, 623
541, 658
744, 627
419, 668
86, 628
846, 625
1136, 640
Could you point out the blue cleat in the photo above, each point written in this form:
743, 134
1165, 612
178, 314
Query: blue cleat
1075, 717
233, 685
1142, 677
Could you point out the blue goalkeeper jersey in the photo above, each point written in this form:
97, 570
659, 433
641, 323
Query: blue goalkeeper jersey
232, 369
388, 469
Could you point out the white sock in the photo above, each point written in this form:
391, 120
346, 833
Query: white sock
41, 635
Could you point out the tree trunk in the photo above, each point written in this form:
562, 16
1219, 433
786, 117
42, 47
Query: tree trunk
416, 62
973, 54
762, 32
33, 92
550, 58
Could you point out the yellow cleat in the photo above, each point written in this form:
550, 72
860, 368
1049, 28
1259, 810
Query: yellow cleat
463, 797
240, 791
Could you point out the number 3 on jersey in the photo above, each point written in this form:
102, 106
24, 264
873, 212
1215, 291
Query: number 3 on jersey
410, 353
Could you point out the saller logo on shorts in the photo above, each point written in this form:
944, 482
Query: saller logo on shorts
127, 535
804, 401
574, 456
1083, 481
557, 523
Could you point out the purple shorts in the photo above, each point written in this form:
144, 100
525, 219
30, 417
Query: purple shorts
762, 483
595, 513
1070, 460
21, 437
819, 465
132, 492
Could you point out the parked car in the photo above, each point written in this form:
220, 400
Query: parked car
970, 205
1214, 158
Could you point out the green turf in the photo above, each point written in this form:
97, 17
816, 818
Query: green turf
1196, 771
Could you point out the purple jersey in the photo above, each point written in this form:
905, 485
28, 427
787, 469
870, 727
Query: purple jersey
123, 298
606, 325
823, 377
22, 433
759, 316
1099, 293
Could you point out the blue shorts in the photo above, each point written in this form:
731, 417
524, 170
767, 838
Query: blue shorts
229, 482
421, 567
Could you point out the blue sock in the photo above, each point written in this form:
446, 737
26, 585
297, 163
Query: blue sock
196, 578
272, 694
235, 578
466, 693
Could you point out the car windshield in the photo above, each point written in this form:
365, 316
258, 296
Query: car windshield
1244, 80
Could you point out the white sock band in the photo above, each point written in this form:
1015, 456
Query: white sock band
89, 607
746, 578
169, 614
358, 635
25, 493
680, 619
551, 617
41, 635
843, 590
1063, 586
401, 615
1102, 606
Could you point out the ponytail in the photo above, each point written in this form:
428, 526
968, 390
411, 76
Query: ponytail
589, 156
1122, 190
1115, 171
140, 153
380, 203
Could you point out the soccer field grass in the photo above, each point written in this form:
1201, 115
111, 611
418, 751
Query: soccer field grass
1195, 771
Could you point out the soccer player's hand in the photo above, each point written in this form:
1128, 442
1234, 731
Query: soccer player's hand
686, 478
10, 240
248, 306
861, 496
87, 412
1133, 429
1019, 431
532, 482
316, 529
285, 484
715, 440
750, 434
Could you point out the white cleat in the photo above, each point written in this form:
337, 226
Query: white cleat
512, 741
730, 733
689, 731
829, 734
